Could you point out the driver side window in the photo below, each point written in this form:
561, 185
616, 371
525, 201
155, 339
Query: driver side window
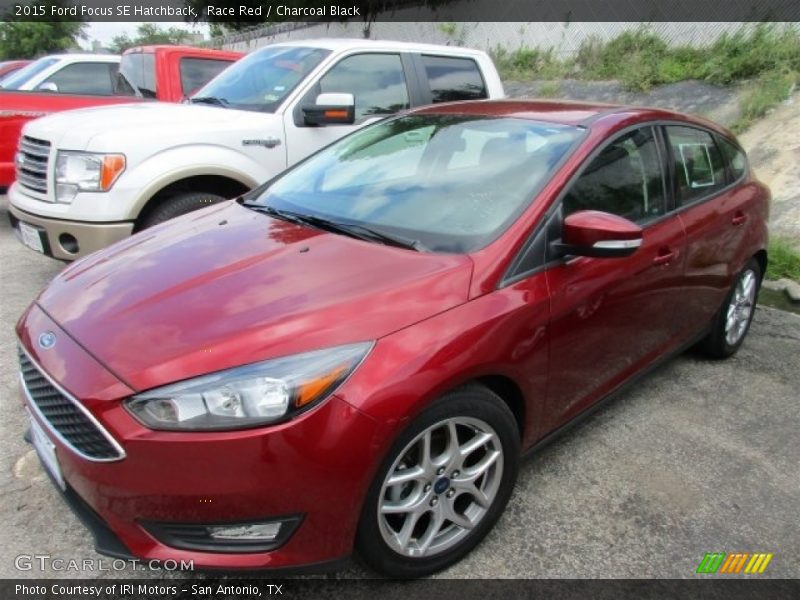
625, 179
377, 81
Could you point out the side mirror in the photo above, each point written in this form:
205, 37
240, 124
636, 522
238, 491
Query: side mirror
47, 86
598, 234
331, 109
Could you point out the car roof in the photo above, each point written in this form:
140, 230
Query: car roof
85, 56
586, 114
359, 44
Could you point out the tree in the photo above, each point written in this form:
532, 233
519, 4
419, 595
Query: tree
147, 34
33, 38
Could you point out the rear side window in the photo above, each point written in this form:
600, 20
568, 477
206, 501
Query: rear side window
196, 72
84, 78
137, 73
735, 158
453, 79
699, 168
377, 81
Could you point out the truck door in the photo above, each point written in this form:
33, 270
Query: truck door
378, 82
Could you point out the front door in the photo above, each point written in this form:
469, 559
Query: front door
611, 316
376, 80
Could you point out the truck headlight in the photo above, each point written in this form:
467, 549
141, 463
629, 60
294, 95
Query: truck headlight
86, 172
248, 396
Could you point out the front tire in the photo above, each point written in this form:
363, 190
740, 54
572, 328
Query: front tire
442, 486
732, 322
178, 205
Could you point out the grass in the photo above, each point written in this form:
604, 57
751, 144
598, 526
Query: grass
784, 260
766, 92
765, 57
549, 89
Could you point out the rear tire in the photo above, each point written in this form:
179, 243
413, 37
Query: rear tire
178, 205
732, 322
426, 509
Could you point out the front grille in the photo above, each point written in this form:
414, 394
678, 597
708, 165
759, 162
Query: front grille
65, 416
31, 162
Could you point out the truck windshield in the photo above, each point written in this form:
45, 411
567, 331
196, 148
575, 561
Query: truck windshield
445, 183
261, 80
26, 73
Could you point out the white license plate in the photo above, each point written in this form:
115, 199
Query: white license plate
46, 451
31, 237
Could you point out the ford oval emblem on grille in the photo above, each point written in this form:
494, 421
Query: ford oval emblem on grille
47, 340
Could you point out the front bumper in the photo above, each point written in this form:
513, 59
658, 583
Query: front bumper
318, 466
68, 240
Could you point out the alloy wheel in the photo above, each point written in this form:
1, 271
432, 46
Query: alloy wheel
440, 487
740, 308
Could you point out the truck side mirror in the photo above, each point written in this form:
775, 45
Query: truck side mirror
47, 86
331, 109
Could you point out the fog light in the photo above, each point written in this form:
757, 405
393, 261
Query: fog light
255, 536
265, 532
69, 243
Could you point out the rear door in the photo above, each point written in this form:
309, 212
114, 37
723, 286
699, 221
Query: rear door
714, 211
612, 316
448, 79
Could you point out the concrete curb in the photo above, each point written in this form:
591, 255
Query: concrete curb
787, 286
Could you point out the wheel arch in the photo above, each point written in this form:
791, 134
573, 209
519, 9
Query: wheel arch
227, 185
762, 259
510, 393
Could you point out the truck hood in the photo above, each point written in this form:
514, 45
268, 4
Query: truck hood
227, 286
103, 128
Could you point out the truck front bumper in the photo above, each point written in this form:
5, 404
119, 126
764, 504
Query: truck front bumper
65, 240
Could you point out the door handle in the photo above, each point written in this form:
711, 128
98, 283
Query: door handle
738, 218
664, 257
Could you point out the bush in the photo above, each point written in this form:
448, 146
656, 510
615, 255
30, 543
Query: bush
766, 54
784, 261
528, 63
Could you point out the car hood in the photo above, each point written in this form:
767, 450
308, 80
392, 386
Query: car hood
227, 286
102, 127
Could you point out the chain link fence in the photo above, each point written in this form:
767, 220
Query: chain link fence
563, 38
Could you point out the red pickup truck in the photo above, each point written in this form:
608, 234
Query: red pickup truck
167, 73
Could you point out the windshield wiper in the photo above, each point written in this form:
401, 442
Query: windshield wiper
361, 232
209, 100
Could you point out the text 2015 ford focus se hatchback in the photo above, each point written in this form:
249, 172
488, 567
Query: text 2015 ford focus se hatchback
352, 357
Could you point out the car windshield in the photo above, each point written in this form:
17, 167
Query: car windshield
261, 80
448, 183
16, 80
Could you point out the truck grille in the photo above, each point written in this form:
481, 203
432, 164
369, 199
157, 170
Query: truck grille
31, 163
66, 417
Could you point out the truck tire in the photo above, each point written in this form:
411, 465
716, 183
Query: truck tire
178, 205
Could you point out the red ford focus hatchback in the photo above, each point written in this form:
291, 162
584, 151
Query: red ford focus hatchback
353, 356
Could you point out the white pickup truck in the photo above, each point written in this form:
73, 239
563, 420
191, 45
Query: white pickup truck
97, 175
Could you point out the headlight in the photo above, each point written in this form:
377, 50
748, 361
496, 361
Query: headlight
86, 172
248, 396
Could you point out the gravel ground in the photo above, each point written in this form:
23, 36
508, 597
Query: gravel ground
699, 456
717, 103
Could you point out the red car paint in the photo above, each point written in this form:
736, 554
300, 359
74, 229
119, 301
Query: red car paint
17, 108
226, 286
9, 66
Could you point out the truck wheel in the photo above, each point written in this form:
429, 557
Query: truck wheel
178, 205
